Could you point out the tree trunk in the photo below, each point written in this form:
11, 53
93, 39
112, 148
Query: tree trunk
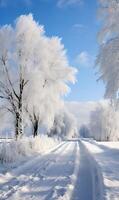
35, 128
18, 126
19, 131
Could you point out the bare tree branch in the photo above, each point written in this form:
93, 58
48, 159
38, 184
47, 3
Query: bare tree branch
8, 76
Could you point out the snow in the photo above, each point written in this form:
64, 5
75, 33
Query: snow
51, 176
72, 170
106, 155
83, 187
61, 174
14, 152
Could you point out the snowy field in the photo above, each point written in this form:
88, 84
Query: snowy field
61, 174
107, 156
51, 176
72, 170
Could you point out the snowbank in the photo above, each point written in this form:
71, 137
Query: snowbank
11, 151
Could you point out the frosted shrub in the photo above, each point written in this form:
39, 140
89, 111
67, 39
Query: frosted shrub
16, 150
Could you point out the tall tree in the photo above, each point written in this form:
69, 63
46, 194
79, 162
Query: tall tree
104, 123
108, 57
64, 126
34, 71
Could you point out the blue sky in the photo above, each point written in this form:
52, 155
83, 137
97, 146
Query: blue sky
76, 23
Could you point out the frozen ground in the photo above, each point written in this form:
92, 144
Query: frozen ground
73, 170
107, 156
63, 174
49, 177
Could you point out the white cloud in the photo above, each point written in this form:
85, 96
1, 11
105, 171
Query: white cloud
82, 110
63, 3
84, 59
79, 26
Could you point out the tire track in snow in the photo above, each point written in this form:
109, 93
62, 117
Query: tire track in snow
65, 173
41, 165
84, 184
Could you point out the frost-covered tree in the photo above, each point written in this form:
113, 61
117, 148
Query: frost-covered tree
84, 131
34, 119
109, 14
34, 71
6, 124
108, 60
64, 126
108, 57
12, 81
104, 123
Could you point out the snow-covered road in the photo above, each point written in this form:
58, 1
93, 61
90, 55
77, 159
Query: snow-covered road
84, 183
106, 155
62, 174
